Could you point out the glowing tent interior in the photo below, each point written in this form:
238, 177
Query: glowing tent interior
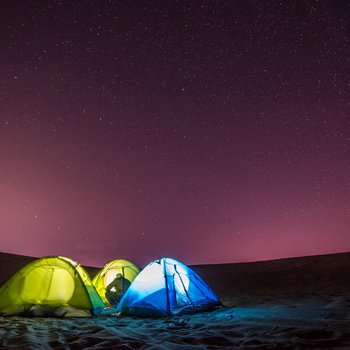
167, 287
124, 267
51, 286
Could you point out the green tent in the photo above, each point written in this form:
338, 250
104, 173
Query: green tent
126, 268
51, 286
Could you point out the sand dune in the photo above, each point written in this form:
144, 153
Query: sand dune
300, 303
320, 278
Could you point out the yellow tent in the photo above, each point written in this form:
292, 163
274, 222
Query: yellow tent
53, 286
126, 268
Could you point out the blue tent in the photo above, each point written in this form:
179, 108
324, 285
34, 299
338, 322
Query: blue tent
166, 287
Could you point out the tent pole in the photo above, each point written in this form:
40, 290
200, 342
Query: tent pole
166, 289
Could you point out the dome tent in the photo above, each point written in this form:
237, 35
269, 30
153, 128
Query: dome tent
167, 287
126, 268
51, 286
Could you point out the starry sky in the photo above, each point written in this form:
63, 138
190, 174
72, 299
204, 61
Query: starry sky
208, 131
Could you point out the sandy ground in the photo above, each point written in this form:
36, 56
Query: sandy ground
301, 303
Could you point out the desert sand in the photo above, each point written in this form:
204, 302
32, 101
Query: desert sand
298, 303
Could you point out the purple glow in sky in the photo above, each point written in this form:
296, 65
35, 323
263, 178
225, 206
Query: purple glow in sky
208, 131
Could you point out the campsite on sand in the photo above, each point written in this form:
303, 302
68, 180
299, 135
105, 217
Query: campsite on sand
298, 303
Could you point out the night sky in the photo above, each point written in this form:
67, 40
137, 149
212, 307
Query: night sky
207, 131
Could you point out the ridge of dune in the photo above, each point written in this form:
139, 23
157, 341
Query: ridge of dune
241, 282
